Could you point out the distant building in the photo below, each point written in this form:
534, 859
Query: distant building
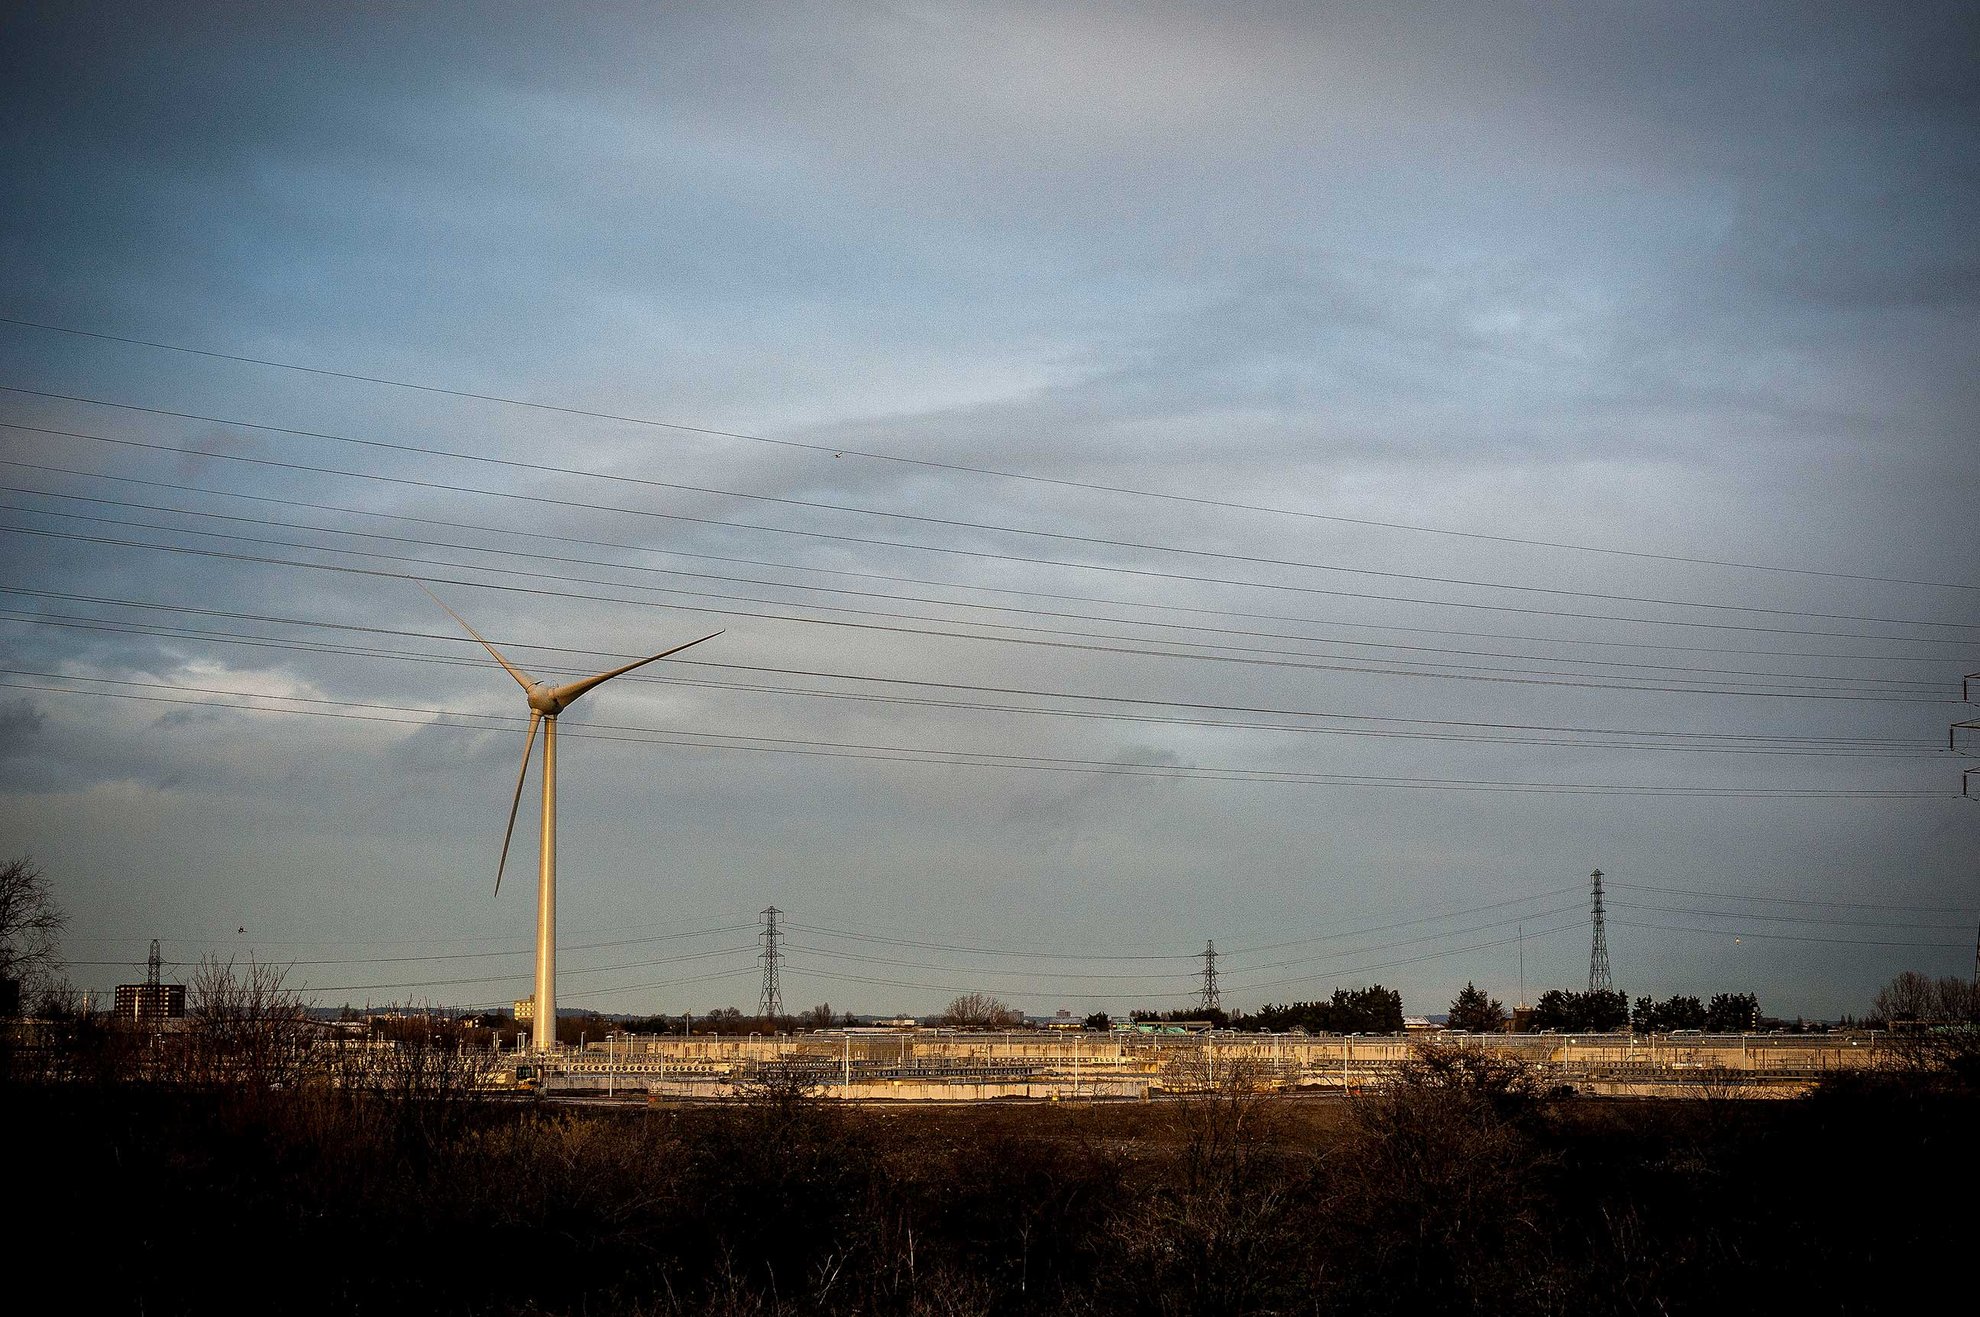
151, 1001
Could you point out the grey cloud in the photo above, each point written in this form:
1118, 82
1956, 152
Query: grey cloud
1675, 279
21, 725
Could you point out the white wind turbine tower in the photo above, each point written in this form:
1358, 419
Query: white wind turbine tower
545, 703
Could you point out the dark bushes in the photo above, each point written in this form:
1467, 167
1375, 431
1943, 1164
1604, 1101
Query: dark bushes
1456, 1190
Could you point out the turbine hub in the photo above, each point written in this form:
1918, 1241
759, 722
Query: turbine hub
544, 700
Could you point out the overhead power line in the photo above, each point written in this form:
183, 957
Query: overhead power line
1750, 916
954, 523
1769, 899
457, 955
1334, 973
1797, 937
1038, 637
547, 500
1684, 743
516, 975
1186, 627
477, 721
840, 451
949, 603
1428, 728
1113, 708
511, 533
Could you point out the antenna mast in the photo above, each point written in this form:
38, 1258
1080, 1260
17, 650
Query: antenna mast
770, 1004
1598, 950
1208, 999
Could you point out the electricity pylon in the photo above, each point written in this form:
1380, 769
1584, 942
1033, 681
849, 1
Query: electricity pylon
1598, 949
770, 1004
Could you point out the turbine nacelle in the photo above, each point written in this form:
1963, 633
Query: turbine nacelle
547, 700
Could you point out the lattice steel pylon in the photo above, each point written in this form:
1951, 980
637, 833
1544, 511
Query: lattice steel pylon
151, 974
770, 1004
1598, 950
1208, 999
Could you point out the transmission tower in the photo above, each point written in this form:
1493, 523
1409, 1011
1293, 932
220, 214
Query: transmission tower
151, 969
1209, 1000
771, 1004
1598, 950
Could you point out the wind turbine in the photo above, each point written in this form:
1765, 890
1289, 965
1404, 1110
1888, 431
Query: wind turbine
545, 703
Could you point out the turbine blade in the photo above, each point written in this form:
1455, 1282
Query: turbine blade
529, 743
521, 679
566, 694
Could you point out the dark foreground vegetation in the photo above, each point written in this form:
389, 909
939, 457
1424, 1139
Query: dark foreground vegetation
1458, 1191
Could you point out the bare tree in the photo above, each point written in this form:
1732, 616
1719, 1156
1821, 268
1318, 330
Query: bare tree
1909, 999
244, 1028
979, 1010
30, 922
1934, 1023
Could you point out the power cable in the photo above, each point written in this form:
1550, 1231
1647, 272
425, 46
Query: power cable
868, 935
547, 500
1793, 937
1548, 913
594, 657
1085, 646
510, 977
960, 468
1744, 916
865, 594
543, 468
954, 758
511, 532
1807, 748
1788, 900
453, 955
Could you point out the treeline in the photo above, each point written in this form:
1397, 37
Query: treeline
1727, 1012
1579, 1012
1610, 1012
729, 1020
1374, 1009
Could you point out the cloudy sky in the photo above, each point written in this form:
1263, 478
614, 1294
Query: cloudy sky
1318, 478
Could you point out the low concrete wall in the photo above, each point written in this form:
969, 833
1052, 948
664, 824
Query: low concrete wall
925, 1066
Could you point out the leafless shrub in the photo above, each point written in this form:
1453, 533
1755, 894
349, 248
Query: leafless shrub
1218, 1232
1505, 1083
419, 1072
245, 1029
780, 1086
1436, 1191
